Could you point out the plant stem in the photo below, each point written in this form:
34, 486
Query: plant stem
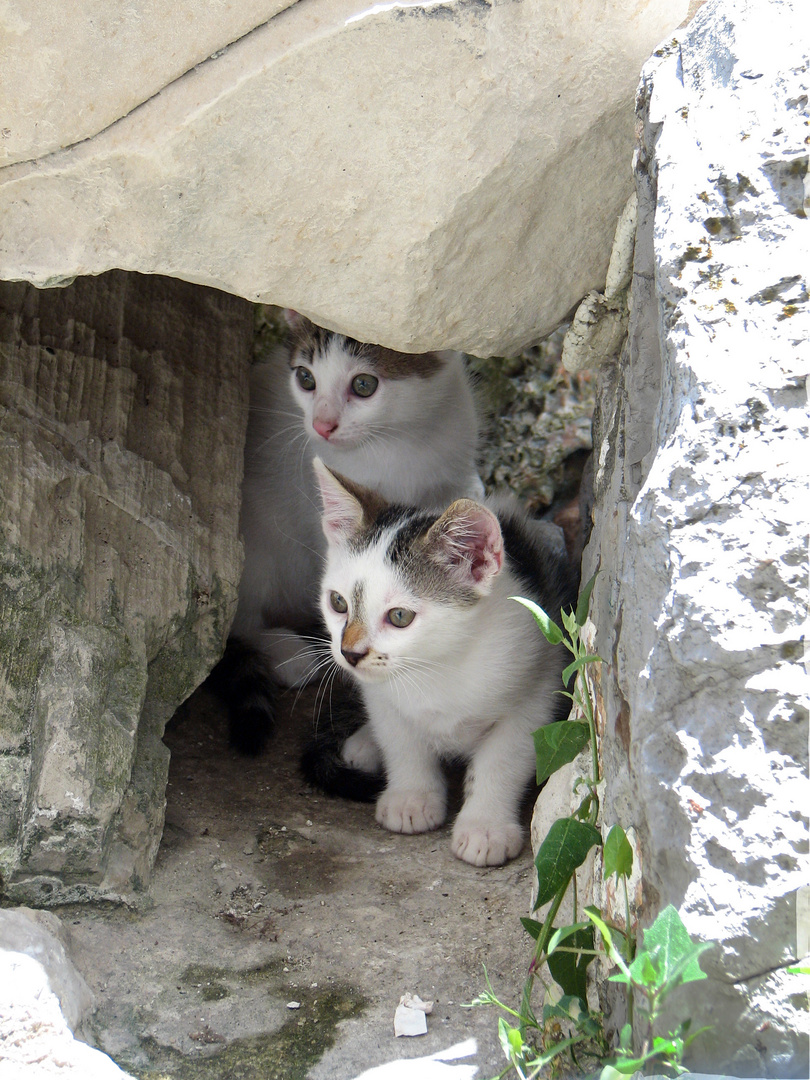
631, 950
539, 951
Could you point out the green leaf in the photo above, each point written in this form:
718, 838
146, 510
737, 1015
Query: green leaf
510, 1039
568, 970
596, 917
564, 849
565, 932
667, 1046
532, 927
673, 952
576, 1010
551, 631
627, 1066
548, 1056
691, 1038
644, 972
569, 622
617, 854
583, 811
570, 1007
557, 744
580, 661
584, 600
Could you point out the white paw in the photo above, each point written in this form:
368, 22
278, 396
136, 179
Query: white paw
411, 811
361, 751
485, 844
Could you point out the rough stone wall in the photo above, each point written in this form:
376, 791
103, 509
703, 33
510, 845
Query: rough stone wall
122, 416
700, 526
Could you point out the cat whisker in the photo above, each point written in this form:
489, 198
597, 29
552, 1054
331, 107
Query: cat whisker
326, 684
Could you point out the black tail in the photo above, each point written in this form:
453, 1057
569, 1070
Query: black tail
322, 763
241, 680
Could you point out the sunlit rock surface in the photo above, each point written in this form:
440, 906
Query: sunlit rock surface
446, 174
700, 528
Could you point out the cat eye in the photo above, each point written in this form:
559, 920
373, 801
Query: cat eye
305, 378
364, 385
401, 617
338, 603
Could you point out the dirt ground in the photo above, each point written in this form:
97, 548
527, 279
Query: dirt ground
285, 925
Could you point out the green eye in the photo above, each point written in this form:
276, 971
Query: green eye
338, 603
401, 616
364, 385
305, 378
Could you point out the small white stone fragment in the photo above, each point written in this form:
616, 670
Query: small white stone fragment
409, 1018
293, 1004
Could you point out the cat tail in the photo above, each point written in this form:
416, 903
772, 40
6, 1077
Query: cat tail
241, 680
322, 760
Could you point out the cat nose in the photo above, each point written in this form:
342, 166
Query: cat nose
324, 427
353, 657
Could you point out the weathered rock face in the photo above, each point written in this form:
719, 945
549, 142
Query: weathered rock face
122, 411
701, 522
447, 174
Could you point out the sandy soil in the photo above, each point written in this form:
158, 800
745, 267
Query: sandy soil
267, 893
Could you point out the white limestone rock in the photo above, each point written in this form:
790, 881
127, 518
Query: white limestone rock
63, 80
42, 936
43, 1001
35, 1040
446, 173
701, 522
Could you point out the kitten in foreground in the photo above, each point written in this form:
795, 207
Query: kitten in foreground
404, 424
418, 612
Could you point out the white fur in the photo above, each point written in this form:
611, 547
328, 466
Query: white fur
471, 681
413, 441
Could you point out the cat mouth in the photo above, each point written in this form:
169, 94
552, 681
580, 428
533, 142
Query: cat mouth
368, 669
337, 438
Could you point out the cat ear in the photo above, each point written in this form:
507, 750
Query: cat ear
467, 540
293, 318
348, 508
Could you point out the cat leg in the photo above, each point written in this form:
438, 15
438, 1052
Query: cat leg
415, 799
361, 751
487, 831
241, 680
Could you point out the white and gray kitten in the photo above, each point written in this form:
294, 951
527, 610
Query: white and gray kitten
418, 608
403, 424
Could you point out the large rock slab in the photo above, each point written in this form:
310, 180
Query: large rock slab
700, 526
56, 82
444, 174
123, 402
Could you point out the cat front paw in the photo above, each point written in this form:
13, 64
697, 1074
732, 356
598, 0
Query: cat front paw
411, 811
360, 751
485, 844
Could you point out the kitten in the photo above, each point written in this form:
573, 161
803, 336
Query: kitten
404, 424
418, 611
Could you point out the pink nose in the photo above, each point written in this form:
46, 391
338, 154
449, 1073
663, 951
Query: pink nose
324, 427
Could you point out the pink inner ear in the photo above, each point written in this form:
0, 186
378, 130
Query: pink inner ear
292, 317
487, 551
342, 513
473, 542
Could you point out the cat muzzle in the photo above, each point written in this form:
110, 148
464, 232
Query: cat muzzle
354, 657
